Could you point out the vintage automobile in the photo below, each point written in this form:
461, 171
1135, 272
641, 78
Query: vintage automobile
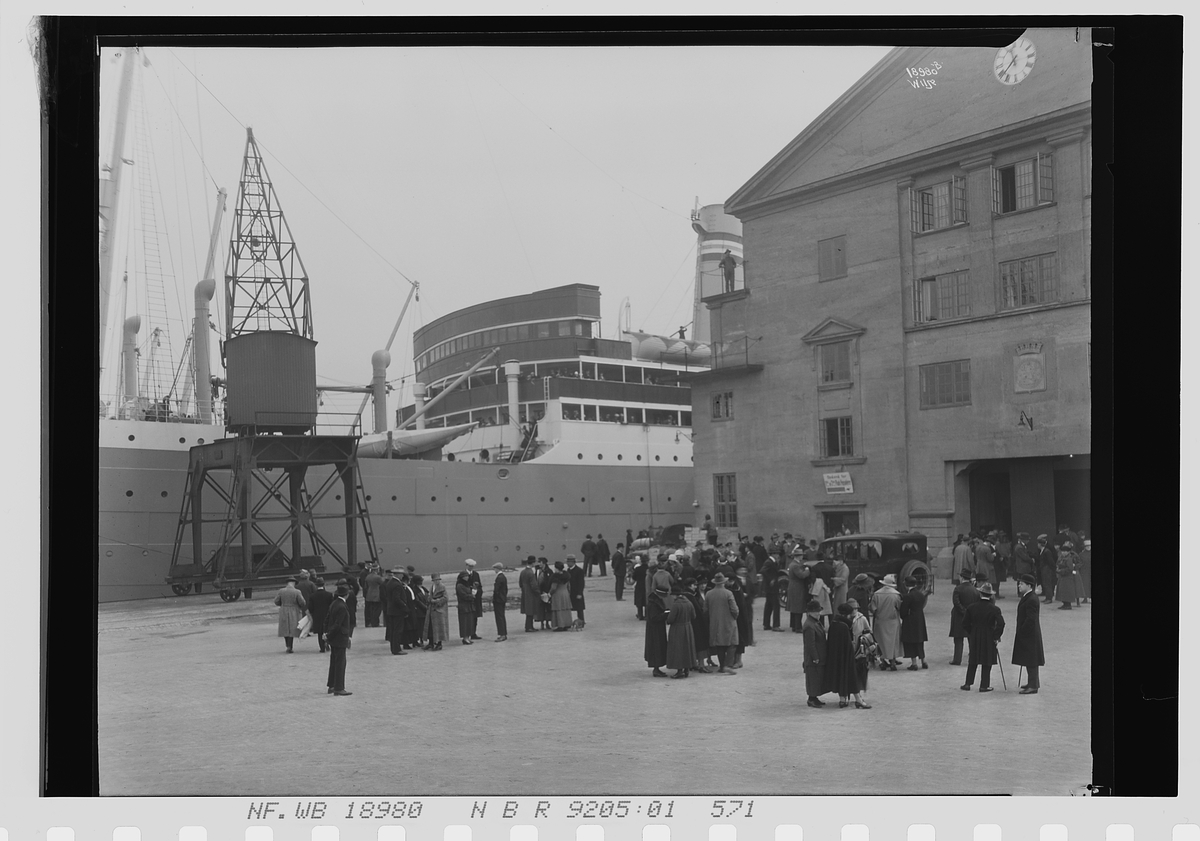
901, 554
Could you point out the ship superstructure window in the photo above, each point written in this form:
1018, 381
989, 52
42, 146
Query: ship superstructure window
609, 373
940, 205
946, 384
572, 411
942, 297
837, 437
633, 374
1029, 281
589, 412
634, 416
835, 362
662, 417
1024, 184
725, 499
722, 406
612, 414
831, 258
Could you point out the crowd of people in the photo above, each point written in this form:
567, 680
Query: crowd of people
698, 606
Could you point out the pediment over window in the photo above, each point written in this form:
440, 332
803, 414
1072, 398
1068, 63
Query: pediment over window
832, 330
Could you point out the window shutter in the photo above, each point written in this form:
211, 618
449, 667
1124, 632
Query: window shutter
839, 256
915, 219
824, 261
995, 190
959, 189
1045, 178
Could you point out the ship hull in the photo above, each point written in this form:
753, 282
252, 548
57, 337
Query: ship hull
431, 514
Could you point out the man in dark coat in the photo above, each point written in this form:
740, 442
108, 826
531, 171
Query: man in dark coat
1047, 563
797, 577
373, 597
305, 585
814, 654
984, 625
576, 587
351, 601
963, 597
477, 585
770, 589
395, 607
318, 608
412, 625
531, 601
468, 590
602, 554
656, 631
588, 550
1027, 640
337, 631
1022, 555
639, 586
500, 601
618, 565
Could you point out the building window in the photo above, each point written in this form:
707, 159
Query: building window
725, 497
1024, 184
939, 205
837, 437
946, 384
1029, 281
543, 331
831, 258
722, 405
941, 297
835, 363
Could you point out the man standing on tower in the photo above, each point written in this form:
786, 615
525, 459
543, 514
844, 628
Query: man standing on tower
728, 264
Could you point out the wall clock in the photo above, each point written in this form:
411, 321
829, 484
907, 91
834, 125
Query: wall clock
1015, 62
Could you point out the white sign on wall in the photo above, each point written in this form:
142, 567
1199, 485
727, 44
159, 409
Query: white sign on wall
838, 483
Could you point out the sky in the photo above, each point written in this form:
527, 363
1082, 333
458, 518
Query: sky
475, 172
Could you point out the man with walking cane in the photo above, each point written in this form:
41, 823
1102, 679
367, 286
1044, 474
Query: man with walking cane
1027, 641
984, 625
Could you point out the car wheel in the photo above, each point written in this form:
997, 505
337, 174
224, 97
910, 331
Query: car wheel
918, 570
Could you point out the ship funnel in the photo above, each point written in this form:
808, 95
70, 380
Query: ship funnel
204, 401
380, 360
129, 355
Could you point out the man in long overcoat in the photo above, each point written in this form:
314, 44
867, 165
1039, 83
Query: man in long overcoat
814, 654
618, 565
964, 596
588, 550
964, 563
639, 586
681, 639
656, 632
797, 578
1022, 555
1067, 577
1047, 562
531, 599
576, 575
373, 597
602, 554
722, 622
395, 607
318, 608
984, 625
337, 632
466, 587
985, 560
291, 608
885, 608
500, 601
769, 571
1027, 640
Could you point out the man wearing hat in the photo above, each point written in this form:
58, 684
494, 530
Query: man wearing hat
769, 573
531, 601
656, 630
318, 609
602, 554
984, 624
814, 654
337, 634
862, 588
305, 585
722, 622
618, 565
373, 597
1022, 555
1047, 561
1027, 640
964, 563
291, 605
660, 576
985, 561
576, 575
797, 583
885, 608
963, 596
466, 587
394, 597
1065, 590
588, 550
499, 600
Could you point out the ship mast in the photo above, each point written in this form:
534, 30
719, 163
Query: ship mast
109, 189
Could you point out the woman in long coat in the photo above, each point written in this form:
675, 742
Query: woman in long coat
913, 632
862, 665
841, 583
885, 606
1067, 578
291, 608
545, 582
797, 590
814, 655
840, 674
656, 632
639, 586
560, 598
681, 641
699, 625
437, 620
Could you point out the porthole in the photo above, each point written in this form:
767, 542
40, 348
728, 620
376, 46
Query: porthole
458, 499
639, 458
506, 500
518, 548
583, 499
435, 550
128, 493
130, 437
668, 499
612, 499
199, 440
675, 457
599, 456
108, 554
658, 458
433, 499
542, 547
580, 455
495, 548
393, 497
145, 554
458, 549
338, 497
368, 497
641, 499
620, 457
182, 440
164, 494
552, 499
481, 499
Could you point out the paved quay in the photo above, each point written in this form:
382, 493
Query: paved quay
196, 697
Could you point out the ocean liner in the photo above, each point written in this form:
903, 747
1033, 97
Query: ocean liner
528, 431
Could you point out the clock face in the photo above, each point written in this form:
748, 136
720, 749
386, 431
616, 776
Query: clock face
1014, 62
